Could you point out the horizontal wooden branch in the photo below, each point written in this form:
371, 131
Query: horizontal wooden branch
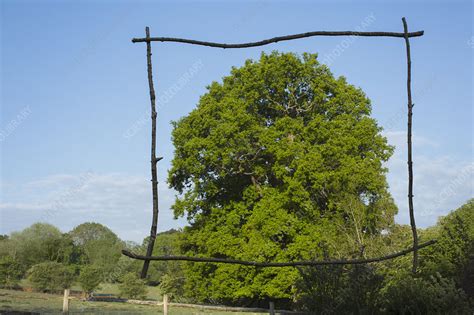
277, 39
277, 264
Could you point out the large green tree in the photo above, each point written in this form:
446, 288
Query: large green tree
98, 245
277, 163
39, 243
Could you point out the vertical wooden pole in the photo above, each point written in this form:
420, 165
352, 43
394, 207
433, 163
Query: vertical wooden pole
409, 141
66, 301
154, 160
272, 308
165, 304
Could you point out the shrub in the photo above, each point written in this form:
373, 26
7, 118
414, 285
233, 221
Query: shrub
90, 279
339, 289
435, 295
173, 286
132, 287
453, 254
50, 276
10, 272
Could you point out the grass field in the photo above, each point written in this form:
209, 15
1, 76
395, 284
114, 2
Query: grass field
153, 293
11, 300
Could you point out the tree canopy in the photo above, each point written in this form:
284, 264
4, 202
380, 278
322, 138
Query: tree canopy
271, 164
40, 242
99, 245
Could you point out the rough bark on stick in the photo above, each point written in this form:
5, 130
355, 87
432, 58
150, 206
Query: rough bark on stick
409, 142
276, 39
154, 160
278, 264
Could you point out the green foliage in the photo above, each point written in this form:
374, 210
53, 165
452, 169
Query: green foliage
445, 272
122, 267
90, 278
339, 290
169, 275
113, 273
50, 276
39, 243
173, 285
268, 165
435, 295
132, 287
444, 283
88, 244
98, 245
453, 254
10, 272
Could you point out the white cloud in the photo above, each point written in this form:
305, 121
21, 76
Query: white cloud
52, 181
441, 182
121, 202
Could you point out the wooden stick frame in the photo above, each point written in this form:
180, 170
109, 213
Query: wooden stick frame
154, 160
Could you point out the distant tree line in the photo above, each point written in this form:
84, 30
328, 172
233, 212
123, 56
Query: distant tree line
90, 255
50, 260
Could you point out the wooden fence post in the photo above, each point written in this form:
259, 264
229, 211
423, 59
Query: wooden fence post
66, 301
272, 308
165, 304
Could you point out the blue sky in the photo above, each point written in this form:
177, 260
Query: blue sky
74, 97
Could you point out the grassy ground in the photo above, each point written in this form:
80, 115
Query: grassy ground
153, 293
11, 300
